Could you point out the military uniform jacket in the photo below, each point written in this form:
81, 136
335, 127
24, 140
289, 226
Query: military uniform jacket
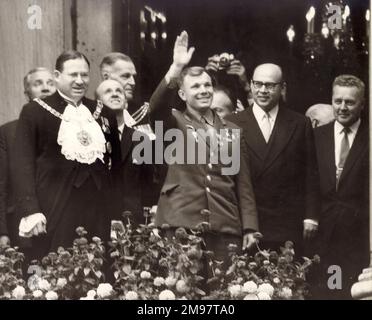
190, 188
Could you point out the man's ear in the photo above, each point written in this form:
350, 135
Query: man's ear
182, 95
284, 91
57, 75
105, 75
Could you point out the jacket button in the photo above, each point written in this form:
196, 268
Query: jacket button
207, 189
209, 178
209, 165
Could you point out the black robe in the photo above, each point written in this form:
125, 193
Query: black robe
68, 193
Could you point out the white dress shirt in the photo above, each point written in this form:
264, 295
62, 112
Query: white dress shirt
260, 116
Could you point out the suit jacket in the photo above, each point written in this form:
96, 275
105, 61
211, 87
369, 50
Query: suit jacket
7, 135
190, 188
284, 173
45, 179
345, 211
129, 177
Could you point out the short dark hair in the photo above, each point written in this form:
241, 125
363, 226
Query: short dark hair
191, 71
348, 80
69, 55
110, 58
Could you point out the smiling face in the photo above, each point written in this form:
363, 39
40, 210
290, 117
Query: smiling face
111, 93
347, 104
40, 85
267, 86
73, 80
197, 92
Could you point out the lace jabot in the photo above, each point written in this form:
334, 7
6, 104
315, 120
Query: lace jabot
80, 136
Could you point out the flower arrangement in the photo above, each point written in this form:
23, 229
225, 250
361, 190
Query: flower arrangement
266, 275
11, 281
148, 266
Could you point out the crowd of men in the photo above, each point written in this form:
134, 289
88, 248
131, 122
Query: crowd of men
68, 161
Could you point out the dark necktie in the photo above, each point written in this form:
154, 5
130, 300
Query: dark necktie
344, 151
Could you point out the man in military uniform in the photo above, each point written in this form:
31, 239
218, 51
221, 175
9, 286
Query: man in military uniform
191, 187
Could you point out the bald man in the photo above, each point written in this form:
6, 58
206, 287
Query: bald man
128, 179
320, 114
283, 162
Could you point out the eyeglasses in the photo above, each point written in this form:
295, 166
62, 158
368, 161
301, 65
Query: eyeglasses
268, 85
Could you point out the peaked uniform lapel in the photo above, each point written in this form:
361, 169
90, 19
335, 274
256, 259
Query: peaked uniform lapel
197, 126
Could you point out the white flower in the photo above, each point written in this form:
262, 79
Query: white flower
37, 294
170, 281
249, 287
276, 280
286, 293
145, 275
182, 287
18, 292
183, 298
251, 296
263, 296
267, 288
91, 294
51, 295
167, 295
61, 282
104, 290
235, 290
159, 281
131, 295
44, 285
87, 298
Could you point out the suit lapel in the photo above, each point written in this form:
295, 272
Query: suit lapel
327, 150
253, 134
360, 143
282, 132
126, 142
